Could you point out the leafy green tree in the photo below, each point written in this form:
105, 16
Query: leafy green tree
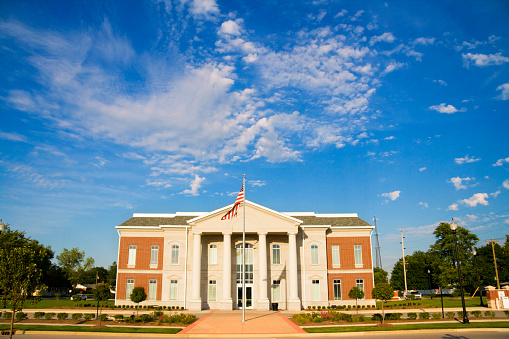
112, 274
89, 276
138, 295
74, 264
382, 291
22, 261
380, 275
356, 293
101, 294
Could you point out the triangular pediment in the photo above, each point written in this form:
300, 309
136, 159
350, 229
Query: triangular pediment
259, 219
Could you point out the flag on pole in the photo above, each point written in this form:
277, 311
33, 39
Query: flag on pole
233, 211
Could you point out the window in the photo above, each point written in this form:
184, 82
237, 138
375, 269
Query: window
132, 255
152, 289
175, 254
129, 289
360, 284
337, 289
335, 255
316, 290
314, 255
154, 254
276, 290
357, 249
212, 290
249, 264
174, 289
276, 255
213, 254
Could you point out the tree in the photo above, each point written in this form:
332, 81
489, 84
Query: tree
138, 295
102, 293
356, 293
74, 264
22, 261
382, 291
89, 276
112, 275
380, 275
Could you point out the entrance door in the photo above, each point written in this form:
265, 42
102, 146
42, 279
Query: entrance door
249, 296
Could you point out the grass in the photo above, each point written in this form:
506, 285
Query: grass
67, 328
496, 324
50, 303
448, 302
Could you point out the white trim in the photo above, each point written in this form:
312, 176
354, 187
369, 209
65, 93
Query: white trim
128, 271
354, 227
174, 226
325, 215
314, 226
166, 215
138, 227
350, 271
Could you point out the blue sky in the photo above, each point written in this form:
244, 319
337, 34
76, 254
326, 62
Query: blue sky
397, 109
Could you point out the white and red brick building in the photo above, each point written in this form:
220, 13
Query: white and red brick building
193, 260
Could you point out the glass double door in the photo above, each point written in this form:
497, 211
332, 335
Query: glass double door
249, 296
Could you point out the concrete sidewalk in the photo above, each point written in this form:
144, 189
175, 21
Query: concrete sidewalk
256, 322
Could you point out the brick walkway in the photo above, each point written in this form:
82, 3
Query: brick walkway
230, 322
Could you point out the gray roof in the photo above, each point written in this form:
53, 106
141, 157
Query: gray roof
306, 220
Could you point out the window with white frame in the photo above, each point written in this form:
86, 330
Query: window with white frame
129, 288
213, 254
276, 254
276, 290
175, 254
360, 284
212, 290
152, 289
314, 254
154, 254
337, 289
315, 290
335, 255
174, 288
131, 261
357, 249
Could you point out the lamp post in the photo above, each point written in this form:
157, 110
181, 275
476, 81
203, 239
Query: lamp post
2, 226
474, 252
454, 227
429, 277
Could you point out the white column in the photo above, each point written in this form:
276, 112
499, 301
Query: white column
263, 301
195, 302
293, 283
226, 302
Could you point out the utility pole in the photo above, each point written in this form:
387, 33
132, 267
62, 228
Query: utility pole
404, 265
377, 247
494, 259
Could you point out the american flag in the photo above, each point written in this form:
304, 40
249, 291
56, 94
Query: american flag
233, 211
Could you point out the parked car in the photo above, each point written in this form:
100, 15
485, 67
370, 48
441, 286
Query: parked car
415, 293
79, 296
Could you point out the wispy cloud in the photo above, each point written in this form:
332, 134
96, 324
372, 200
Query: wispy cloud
195, 186
504, 91
501, 162
447, 109
391, 195
458, 182
13, 137
482, 60
466, 159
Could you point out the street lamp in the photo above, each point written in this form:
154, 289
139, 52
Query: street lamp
2, 226
454, 227
429, 277
474, 252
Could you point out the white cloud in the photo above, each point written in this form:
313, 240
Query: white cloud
466, 159
13, 137
195, 186
204, 7
505, 91
501, 162
482, 60
478, 198
392, 137
495, 194
391, 195
505, 184
159, 183
443, 83
458, 182
424, 41
392, 67
340, 13
385, 37
472, 217
506, 221
100, 162
231, 27
424, 204
257, 183
444, 108
453, 207
422, 169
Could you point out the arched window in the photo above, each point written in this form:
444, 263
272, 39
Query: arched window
314, 254
175, 254
276, 255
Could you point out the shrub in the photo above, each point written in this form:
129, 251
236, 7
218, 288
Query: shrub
506, 313
393, 316
39, 315
103, 317
49, 316
21, 316
436, 315
8, 315
412, 315
433, 295
477, 314
460, 314
456, 294
88, 316
118, 317
146, 318
158, 314
410, 296
309, 308
449, 315
376, 317
76, 316
489, 314
314, 307
424, 315
62, 316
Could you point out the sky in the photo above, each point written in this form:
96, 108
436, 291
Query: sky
393, 109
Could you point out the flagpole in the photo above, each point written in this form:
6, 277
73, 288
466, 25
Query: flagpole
244, 255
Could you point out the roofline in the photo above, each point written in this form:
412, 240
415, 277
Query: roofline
322, 215
167, 215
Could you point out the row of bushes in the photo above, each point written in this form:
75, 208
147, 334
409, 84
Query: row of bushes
318, 317
177, 318
339, 307
148, 307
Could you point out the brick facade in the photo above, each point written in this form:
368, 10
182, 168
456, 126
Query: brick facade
346, 251
140, 280
143, 248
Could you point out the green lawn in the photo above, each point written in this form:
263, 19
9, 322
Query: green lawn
448, 302
49, 303
497, 324
67, 328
